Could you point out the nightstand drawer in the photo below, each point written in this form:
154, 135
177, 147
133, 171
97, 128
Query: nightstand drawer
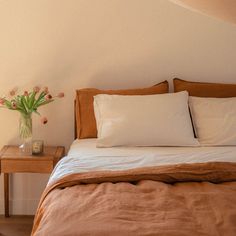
34, 166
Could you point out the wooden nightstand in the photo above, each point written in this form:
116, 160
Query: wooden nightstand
13, 161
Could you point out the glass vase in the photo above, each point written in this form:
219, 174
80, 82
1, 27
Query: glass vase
25, 131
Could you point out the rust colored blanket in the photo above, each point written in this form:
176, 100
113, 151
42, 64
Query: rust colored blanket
177, 200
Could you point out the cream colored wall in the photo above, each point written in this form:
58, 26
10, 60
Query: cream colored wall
69, 44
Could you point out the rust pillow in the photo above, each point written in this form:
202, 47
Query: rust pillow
200, 89
84, 113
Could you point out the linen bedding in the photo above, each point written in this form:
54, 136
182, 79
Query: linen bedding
140, 191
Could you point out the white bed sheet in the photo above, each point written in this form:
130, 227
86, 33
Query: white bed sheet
83, 156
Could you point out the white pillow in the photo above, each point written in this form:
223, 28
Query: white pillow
214, 120
146, 120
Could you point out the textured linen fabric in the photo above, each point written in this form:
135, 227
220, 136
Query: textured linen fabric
141, 202
153, 120
84, 114
214, 120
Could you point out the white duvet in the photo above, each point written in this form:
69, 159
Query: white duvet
83, 156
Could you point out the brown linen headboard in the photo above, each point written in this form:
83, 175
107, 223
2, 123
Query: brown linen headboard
203, 89
75, 124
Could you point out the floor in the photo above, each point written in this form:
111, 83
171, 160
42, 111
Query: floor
16, 225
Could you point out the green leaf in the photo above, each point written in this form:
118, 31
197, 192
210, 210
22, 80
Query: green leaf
45, 102
41, 96
32, 99
24, 104
35, 111
8, 104
27, 99
18, 102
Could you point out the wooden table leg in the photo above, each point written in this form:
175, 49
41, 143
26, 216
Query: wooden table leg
6, 194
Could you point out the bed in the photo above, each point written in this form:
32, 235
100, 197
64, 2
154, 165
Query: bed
126, 190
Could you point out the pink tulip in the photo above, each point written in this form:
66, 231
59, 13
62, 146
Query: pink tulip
12, 93
61, 95
45, 90
26, 93
36, 89
2, 101
13, 104
44, 120
48, 97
